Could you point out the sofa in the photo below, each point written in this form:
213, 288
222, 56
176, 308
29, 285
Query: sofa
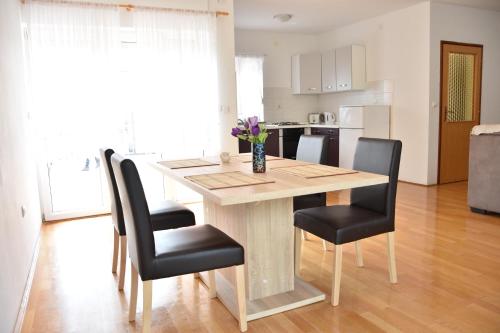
484, 169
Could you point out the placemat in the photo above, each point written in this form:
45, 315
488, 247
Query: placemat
191, 163
248, 158
314, 171
215, 181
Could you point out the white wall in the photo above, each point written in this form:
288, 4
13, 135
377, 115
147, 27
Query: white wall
466, 25
18, 184
397, 50
278, 48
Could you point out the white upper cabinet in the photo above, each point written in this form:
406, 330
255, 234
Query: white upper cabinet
306, 73
350, 65
328, 72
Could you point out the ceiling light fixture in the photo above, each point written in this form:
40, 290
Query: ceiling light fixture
283, 17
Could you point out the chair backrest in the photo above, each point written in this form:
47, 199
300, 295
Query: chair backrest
116, 205
140, 237
380, 156
312, 148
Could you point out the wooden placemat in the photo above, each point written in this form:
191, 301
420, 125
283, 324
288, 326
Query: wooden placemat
191, 163
248, 158
215, 181
314, 171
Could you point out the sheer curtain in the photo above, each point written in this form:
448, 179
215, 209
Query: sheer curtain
71, 54
176, 82
250, 86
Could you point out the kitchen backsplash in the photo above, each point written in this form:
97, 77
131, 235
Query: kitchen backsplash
281, 105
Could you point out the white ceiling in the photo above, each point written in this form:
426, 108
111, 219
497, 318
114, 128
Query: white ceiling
313, 16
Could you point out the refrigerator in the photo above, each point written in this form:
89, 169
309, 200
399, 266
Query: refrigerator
360, 121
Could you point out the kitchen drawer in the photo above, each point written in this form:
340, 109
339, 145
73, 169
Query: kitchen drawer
325, 131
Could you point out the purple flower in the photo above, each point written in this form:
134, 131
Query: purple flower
254, 121
235, 131
247, 125
255, 130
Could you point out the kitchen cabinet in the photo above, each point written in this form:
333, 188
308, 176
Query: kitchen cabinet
272, 144
333, 143
328, 72
350, 66
306, 73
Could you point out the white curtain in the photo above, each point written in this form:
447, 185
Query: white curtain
72, 51
176, 83
250, 86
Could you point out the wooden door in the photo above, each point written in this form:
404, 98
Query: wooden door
461, 69
273, 142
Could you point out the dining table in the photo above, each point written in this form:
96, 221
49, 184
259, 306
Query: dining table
256, 210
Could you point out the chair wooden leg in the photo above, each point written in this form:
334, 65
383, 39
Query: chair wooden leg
116, 237
123, 262
298, 249
241, 296
325, 245
393, 275
359, 254
147, 304
337, 275
212, 289
132, 310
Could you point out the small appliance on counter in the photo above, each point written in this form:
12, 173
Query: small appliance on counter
327, 118
314, 118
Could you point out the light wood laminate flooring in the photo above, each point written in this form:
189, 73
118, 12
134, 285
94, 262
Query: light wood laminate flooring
448, 262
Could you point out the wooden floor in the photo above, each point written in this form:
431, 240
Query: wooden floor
448, 262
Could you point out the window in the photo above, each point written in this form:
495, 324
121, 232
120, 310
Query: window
250, 86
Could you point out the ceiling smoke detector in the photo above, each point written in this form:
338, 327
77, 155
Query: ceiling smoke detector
283, 17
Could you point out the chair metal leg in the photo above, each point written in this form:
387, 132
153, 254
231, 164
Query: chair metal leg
298, 249
393, 275
337, 275
212, 290
116, 237
123, 262
147, 304
359, 254
133, 293
241, 296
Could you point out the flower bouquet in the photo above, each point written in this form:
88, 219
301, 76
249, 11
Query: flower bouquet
255, 133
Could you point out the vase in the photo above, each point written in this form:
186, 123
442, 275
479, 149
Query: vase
259, 157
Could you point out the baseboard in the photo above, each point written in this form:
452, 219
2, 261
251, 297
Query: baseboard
27, 288
417, 184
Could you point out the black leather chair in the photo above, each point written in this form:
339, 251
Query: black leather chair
170, 253
164, 215
313, 149
370, 213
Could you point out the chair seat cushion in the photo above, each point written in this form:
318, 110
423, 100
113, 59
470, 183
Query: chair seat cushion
309, 201
194, 249
342, 223
169, 214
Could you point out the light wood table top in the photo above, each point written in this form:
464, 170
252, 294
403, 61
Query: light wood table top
284, 185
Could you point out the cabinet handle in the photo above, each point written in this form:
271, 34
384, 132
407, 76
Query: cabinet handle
312, 89
328, 87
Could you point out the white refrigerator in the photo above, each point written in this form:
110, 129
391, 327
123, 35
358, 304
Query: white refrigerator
360, 121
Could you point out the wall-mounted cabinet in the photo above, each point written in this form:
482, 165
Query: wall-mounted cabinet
306, 73
328, 72
341, 69
350, 65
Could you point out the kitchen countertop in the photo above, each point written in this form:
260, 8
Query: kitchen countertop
269, 126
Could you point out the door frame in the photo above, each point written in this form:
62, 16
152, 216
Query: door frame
443, 42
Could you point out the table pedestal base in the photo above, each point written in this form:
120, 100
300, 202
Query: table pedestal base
303, 294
